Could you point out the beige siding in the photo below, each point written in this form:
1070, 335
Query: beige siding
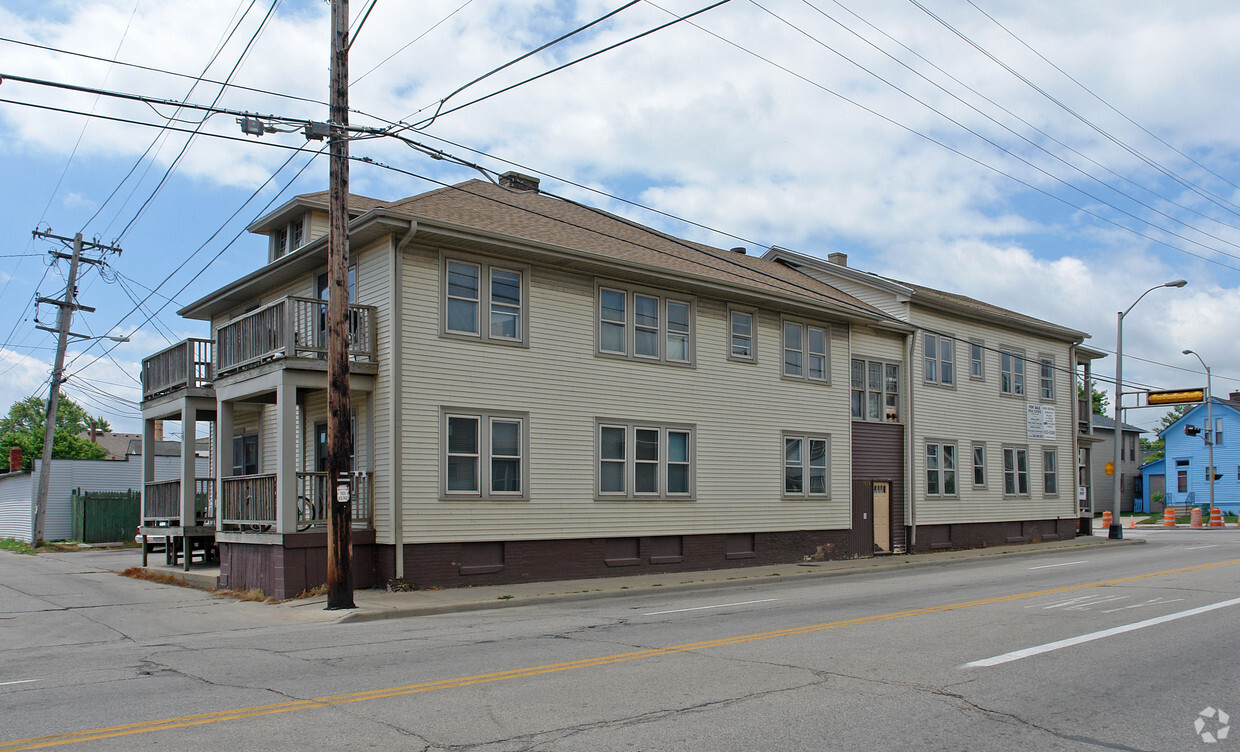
976, 411
739, 410
874, 344
374, 265
879, 298
317, 224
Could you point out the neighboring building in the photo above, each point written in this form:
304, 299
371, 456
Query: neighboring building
991, 444
1153, 483
19, 489
1129, 469
542, 390
1187, 457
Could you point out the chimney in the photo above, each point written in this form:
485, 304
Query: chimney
518, 182
1234, 397
15, 459
94, 431
159, 430
838, 258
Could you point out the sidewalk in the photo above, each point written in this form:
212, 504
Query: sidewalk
381, 604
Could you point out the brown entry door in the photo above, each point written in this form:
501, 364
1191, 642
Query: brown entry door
882, 516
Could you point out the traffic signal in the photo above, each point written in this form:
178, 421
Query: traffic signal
1175, 397
1110, 468
1191, 430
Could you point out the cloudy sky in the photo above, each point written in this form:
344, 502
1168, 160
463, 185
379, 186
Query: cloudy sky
1057, 159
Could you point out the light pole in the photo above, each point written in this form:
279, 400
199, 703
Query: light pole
1209, 423
1116, 531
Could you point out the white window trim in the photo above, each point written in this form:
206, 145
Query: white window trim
485, 418
1016, 493
1043, 359
630, 460
1053, 451
973, 465
981, 345
882, 392
804, 350
752, 313
939, 360
630, 325
942, 471
485, 268
805, 439
1016, 356
277, 250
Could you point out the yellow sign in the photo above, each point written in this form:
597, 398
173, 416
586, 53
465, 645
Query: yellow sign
1175, 397
1110, 468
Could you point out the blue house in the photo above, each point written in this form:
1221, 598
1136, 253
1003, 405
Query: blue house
1187, 457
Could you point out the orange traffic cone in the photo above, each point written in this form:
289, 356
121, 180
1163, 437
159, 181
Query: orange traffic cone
1194, 517
1132, 520
1216, 517
1106, 519
1168, 517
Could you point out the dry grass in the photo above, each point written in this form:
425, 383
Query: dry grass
311, 592
163, 578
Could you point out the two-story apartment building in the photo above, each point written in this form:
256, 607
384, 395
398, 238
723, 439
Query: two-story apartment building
541, 389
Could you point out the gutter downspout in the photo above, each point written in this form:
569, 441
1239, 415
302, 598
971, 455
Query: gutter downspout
910, 346
395, 412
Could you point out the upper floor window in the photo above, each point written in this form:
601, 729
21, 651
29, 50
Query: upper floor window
1015, 471
741, 335
484, 301
644, 326
286, 239
977, 360
979, 465
1218, 431
484, 455
805, 351
638, 460
940, 469
1012, 373
875, 391
1050, 472
939, 358
806, 466
1046, 378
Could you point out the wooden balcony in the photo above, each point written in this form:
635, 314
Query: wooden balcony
186, 365
248, 502
161, 503
290, 328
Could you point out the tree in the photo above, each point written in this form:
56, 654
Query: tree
25, 427
1100, 399
1156, 449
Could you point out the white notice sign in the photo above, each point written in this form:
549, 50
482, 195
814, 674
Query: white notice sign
1040, 422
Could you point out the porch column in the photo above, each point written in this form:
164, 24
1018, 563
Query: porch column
189, 420
223, 442
286, 451
148, 459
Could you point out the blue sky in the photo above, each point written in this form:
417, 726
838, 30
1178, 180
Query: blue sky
908, 141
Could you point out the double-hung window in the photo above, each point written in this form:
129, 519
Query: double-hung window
484, 301
807, 466
286, 239
806, 352
741, 335
979, 465
977, 360
940, 468
939, 359
1050, 472
1046, 378
875, 391
644, 326
1015, 471
644, 461
485, 455
1012, 373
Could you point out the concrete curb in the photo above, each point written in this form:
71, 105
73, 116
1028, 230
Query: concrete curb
484, 598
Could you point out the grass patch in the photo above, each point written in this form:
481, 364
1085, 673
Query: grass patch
16, 546
504, 598
163, 578
311, 592
253, 594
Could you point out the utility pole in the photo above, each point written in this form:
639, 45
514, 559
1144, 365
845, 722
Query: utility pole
340, 518
67, 306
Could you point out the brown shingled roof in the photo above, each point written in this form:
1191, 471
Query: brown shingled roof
965, 303
537, 217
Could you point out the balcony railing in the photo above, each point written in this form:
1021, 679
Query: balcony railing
161, 502
187, 364
248, 502
291, 328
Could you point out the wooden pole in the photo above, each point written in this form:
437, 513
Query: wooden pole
340, 518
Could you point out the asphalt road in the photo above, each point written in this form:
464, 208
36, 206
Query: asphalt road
1104, 649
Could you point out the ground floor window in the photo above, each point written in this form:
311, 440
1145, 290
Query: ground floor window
641, 460
940, 468
1015, 471
807, 466
485, 455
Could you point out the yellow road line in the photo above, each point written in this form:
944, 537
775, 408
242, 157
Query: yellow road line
144, 727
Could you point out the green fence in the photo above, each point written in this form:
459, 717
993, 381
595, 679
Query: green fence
105, 517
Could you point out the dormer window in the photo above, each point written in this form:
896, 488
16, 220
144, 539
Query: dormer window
286, 239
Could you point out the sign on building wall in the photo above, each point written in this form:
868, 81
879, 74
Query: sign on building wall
1040, 422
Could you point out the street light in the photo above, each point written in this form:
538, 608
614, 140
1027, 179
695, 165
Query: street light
1209, 437
1116, 531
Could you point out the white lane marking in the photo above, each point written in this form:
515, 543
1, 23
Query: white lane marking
1198, 548
702, 608
1065, 564
19, 681
1081, 602
1150, 602
1016, 655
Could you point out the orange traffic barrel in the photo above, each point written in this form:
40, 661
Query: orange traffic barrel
1168, 517
1194, 517
1106, 518
1216, 517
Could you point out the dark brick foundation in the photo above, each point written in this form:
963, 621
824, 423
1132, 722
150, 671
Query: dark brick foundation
283, 571
983, 534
